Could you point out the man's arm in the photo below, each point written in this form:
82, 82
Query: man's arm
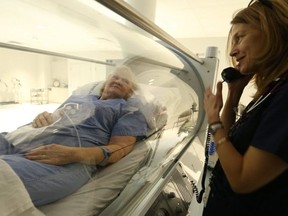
119, 146
56, 154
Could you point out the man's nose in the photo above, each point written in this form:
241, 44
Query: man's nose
119, 81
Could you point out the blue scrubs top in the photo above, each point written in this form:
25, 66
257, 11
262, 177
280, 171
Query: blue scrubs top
88, 121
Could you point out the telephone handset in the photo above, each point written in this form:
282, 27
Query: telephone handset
231, 74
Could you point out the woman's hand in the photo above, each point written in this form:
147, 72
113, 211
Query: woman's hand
213, 103
236, 87
42, 119
53, 154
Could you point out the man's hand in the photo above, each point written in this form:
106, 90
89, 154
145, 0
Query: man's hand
53, 154
43, 119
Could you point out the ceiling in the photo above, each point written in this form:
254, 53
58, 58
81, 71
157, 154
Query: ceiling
47, 24
196, 18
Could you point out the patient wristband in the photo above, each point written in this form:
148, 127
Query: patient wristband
106, 154
215, 126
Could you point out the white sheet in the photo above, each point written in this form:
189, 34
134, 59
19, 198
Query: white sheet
14, 199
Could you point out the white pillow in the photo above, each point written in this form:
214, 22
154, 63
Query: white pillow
89, 88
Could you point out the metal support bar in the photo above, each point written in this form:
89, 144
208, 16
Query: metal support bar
45, 52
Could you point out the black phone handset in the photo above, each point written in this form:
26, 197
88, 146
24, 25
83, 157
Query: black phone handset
231, 74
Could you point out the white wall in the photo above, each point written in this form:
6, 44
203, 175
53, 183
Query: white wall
37, 71
30, 69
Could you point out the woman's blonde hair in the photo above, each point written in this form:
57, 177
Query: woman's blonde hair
272, 20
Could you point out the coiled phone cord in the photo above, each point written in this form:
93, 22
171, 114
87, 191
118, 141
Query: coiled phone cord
199, 195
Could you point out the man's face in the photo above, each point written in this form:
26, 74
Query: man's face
118, 85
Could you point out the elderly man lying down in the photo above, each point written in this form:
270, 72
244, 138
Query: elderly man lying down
89, 131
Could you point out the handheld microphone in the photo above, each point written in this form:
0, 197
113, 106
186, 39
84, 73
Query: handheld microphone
231, 74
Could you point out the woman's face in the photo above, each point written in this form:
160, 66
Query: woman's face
246, 44
119, 85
